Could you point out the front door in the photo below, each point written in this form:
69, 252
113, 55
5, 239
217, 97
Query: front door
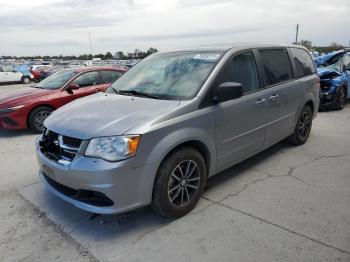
2, 75
240, 123
89, 83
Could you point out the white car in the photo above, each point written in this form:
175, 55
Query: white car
9, 74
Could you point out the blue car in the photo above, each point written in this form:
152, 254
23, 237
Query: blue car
24, 69
334, 72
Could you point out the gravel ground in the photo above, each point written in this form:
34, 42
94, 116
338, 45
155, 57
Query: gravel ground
25, 234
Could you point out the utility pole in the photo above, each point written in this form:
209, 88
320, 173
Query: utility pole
90, 45
296, 35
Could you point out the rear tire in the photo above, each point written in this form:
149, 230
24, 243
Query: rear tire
25, 80
340, 99
37, 117
179, 183
303, 127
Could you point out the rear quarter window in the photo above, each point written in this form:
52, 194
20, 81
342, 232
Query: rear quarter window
276, 66
303, 62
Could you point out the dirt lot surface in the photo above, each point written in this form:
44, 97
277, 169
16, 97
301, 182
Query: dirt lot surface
285, 204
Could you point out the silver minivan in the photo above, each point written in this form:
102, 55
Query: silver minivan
172, 121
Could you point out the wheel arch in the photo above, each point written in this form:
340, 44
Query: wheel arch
311, 104
198, 145
35, 107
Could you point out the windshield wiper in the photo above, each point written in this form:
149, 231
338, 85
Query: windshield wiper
137, 93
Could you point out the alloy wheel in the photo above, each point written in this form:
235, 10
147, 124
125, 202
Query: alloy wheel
39, 119
183, 183
341, 98
305, 124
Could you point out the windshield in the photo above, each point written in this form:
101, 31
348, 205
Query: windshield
333, 63
176, 76
57, 80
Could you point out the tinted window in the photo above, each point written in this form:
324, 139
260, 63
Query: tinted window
242, 69
87, 79
1, 69
303, 62
276, 66
109, 77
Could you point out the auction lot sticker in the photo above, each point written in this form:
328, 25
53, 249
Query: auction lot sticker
207, 56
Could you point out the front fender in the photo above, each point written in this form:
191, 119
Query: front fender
155, 145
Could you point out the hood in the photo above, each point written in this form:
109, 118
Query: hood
105, 114
324, 59
19, 96
327, 73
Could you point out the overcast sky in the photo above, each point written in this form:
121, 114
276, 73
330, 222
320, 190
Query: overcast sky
53, 27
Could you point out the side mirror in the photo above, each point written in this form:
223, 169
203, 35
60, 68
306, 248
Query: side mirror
72, 87
227, 91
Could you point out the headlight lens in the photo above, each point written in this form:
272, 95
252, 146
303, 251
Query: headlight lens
10, 109
113, 148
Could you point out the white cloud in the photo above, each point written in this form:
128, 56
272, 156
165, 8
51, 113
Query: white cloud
62, 26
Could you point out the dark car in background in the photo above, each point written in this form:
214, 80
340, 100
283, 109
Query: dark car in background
46, 72
30, 106
334, 72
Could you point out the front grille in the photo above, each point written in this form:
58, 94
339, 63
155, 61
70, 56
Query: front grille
59, 148
324, 84
86, 196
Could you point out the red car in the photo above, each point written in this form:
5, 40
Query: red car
30, 106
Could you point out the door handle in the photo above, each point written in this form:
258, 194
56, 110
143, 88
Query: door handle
273, 97
260, 101
97, 90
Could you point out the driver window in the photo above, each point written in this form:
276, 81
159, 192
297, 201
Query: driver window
87, 79
242, 69
8, 69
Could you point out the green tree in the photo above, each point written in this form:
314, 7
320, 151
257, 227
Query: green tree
152, 50
306, 43
108, 55
120, 55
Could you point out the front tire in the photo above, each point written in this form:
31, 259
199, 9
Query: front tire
340, 99
179, 183
37, 117
303, 127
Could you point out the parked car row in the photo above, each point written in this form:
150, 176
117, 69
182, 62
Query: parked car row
334, 72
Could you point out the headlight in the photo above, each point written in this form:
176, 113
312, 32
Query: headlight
10, 109
113, 148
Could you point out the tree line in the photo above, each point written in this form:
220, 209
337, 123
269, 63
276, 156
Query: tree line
137, 54
321, 49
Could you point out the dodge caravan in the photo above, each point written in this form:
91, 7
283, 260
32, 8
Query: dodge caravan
172, 121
